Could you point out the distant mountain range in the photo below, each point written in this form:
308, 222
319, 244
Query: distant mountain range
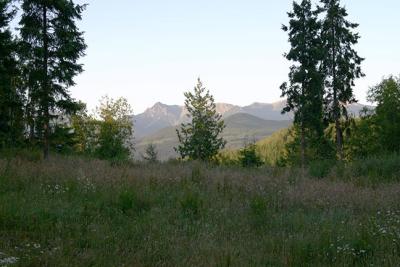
161, 116
158, 124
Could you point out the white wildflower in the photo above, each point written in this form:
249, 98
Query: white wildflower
8, 261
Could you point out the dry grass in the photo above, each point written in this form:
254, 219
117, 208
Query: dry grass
80, 212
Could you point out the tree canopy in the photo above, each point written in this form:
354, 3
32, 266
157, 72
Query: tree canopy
200, 138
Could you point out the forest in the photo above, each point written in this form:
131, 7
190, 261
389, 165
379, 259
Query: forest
323, 192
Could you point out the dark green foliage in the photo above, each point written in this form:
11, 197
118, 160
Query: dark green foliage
364, 140
318, 148
115, 130
85, 132
341, 65
305, 90
114, 138
387, 113
51, 45
107, 134
109, 145
248, 156
374, 170
62, 139
200, 139
151, 155
321, 168
377, 131
11, 97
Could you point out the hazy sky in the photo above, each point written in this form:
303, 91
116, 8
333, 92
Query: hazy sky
153, 50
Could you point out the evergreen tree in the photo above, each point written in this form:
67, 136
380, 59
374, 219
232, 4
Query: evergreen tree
304, 92
341, 64
151, 154
248, 156
11, 97
200, 139
50, 47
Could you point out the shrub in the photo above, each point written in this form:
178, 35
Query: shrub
375, 170
248, 156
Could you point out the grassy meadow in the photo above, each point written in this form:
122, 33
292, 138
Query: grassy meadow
72, 211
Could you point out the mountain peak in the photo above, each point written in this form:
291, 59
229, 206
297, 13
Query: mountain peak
158, 105
161, 115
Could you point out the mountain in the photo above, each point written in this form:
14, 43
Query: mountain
240, 127
266, 111
161, 116
155, 118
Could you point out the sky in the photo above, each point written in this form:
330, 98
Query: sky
152, 51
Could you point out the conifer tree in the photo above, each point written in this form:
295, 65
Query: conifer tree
51, 45
200, 138
11, 98
304, 92
341, 64
151, 154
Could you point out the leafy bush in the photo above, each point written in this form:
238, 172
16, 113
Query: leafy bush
29, 154
248, 156
375, 170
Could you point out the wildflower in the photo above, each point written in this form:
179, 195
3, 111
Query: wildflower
8, 261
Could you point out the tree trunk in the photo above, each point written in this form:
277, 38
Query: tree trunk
336, 108
31, 121
45, 96
303, 131
303, 148
339, 139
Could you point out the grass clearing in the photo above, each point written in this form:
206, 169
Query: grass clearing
80, 212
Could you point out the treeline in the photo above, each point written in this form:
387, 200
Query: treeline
320, 87
39, 61
325, 66
374, 134
38, 64
321, 79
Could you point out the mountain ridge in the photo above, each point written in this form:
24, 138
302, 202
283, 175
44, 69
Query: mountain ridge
240, 127
161, 116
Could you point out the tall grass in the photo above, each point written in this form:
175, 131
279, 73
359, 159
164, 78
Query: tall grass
79, 212
370, 171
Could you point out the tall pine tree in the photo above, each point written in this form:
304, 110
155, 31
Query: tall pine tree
11, 98
341, 64
304, 92
51, 47
200, 139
